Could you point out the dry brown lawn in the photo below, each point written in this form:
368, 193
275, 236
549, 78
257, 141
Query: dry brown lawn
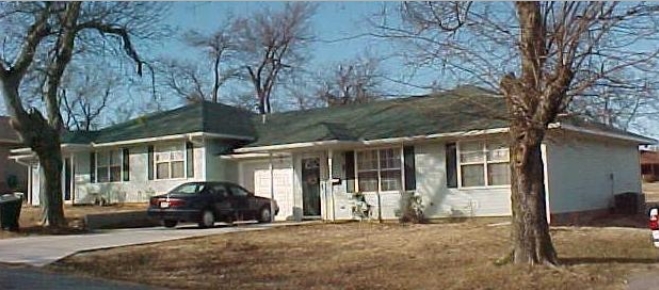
30, 218
373, 256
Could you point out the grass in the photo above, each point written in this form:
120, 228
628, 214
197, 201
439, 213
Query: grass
30, 219
373, 256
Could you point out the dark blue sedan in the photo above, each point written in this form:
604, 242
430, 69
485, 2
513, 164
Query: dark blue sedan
208, 202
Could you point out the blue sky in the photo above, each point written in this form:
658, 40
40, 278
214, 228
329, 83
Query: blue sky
333, 21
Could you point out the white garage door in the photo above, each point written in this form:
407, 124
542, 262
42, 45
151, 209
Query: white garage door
256, 177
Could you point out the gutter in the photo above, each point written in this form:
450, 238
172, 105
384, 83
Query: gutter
372, 142
188, 136
556, 125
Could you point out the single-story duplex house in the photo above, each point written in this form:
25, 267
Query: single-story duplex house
449, 148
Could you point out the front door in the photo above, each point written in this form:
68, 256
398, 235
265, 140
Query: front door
311, 187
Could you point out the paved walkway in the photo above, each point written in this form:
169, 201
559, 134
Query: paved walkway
42, 250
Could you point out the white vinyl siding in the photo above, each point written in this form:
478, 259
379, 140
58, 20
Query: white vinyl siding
586, 173
138, 188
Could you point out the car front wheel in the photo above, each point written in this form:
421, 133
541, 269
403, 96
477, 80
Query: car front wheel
207, 219
265, 215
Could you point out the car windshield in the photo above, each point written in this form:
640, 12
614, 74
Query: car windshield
189, 188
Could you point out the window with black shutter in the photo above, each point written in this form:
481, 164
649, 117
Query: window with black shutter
410, 170
150, 162
451, 166
350, 170
92, 167
189, 148
125, 164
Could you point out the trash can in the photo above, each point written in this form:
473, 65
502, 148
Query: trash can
10, 210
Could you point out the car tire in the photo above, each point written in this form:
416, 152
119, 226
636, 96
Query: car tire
265, 215
207, 219
169, 223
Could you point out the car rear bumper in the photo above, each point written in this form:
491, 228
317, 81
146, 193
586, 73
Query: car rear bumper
181, 215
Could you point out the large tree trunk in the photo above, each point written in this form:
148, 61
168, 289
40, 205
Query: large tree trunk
50, 158
530, 231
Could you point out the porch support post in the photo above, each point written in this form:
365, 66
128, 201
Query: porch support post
272, 189
330, 186
73, 177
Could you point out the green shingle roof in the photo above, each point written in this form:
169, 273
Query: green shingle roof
412, 116
459, 110
204, 117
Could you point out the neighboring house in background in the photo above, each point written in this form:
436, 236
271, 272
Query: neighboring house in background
448, 148
650, 165
10, 171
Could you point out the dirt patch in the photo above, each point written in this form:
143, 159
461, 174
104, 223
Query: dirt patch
30, 219
373, 256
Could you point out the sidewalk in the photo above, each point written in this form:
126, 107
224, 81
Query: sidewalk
42, 250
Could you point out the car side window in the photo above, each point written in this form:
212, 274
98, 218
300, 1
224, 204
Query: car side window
237, 191
219, 190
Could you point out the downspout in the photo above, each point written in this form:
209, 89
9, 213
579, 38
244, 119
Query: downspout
330, 179
272, 190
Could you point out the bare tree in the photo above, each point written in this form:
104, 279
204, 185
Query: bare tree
540, 55
84, 96
618, 102
271, 45
43, 38
190, 80
352, 82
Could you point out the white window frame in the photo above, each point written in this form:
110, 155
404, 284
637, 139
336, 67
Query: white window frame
485, 163
182, 147
379, 169
120, 153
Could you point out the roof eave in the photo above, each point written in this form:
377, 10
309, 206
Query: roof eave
640, 140
370, 142
171, 138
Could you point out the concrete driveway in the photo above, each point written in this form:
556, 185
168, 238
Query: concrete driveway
22, 277
42, 250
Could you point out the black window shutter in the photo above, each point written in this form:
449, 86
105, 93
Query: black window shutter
451, 166
350, 170
126, 164
189, 158
410, 169
92, 167
150, 162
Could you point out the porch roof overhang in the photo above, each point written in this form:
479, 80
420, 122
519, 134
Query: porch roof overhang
327, 144
342, 143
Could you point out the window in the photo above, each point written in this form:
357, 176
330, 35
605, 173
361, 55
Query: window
238, 191
379, 170
484, 163
170, 162
109, 166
